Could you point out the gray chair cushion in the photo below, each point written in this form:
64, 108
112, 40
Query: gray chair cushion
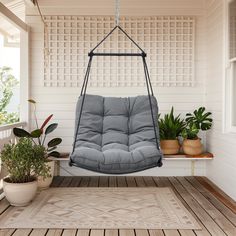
116, 135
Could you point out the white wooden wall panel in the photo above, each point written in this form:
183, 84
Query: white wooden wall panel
61, 101
222, 170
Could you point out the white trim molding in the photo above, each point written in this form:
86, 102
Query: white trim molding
228, 75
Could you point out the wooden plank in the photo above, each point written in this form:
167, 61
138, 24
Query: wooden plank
54, 232
121, 182
149, 181
112, 181
187, 232
84, 181
131, 181
4, 205
126, 232
94, 180
103, 181
75, 181
141, 232
213, 199
209, 223
140, 182
201, 232
69, 232
111, 232
97, 232
171, 232
156, 232
38, 232
6, 232
66, 181
21, 232
159, 181
218, 193
218, 217
83, 232
57, 180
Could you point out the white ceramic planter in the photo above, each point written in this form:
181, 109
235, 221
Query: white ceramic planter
45, 183
20, 194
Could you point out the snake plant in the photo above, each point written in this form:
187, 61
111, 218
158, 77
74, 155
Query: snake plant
170, 126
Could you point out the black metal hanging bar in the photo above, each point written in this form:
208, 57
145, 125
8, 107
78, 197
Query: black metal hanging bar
117, 54
83, 94
150, 101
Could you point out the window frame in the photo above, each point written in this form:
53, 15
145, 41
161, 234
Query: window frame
228, 74
24, 60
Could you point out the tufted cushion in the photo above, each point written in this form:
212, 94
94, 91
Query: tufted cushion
116, 135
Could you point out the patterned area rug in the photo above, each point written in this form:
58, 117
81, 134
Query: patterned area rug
102, 208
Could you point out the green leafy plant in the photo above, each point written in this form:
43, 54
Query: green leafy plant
24, 161
200, 118
39, 135
190, 131
170, 126
7, 83
196, 121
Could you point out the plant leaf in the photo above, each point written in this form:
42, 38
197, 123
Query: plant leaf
52, 148
51, 128
18, 132
31, 101
46, 121
54, 154
36, 133
54, 142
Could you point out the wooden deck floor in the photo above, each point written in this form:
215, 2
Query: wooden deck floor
212, 208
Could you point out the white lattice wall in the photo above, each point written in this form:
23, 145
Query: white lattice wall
168, 41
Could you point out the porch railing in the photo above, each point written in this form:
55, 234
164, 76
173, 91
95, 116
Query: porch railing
6, 136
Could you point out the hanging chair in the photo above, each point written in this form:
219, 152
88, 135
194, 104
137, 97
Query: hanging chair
116, 135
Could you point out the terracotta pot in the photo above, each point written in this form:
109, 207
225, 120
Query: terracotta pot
45, 183
20, 194
192, 147
169, 147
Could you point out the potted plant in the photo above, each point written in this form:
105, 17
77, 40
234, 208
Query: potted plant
196, 121
24, 161
39, 137
170, 129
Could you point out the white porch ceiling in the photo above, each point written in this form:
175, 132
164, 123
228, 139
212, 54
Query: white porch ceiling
8, 30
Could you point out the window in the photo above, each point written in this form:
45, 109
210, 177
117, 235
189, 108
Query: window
14, 38
230, 92
9, 79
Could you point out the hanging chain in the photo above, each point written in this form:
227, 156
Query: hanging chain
117, 11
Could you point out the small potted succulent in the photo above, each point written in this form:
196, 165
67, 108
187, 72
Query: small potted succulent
196, 121
24, 162
39, 137
170, 129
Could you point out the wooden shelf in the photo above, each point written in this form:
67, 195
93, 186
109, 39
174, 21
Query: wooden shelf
204, 156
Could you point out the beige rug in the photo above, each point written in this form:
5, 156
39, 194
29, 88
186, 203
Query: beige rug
102, 208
